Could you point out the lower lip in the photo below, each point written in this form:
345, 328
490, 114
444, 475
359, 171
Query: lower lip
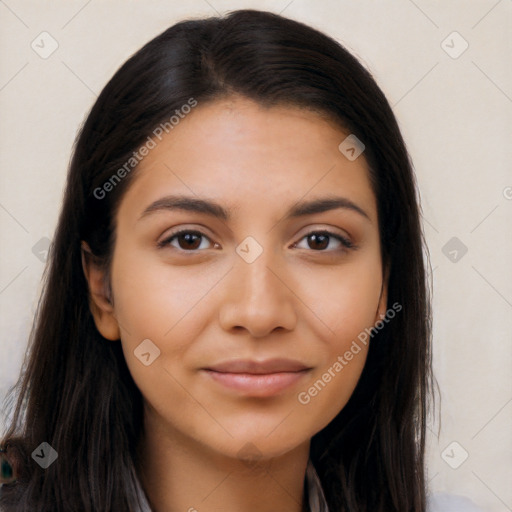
262, 385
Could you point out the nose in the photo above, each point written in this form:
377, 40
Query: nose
258, 297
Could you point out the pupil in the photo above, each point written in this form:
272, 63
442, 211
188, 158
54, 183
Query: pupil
318, 239
189, 239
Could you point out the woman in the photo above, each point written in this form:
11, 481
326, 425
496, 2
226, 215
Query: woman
256, 369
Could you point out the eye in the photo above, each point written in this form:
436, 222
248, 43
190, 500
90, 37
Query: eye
187, 240
319, 240
190, 240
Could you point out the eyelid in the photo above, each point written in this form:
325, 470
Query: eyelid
180, 228
331, 231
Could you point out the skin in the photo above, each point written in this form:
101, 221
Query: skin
305, 301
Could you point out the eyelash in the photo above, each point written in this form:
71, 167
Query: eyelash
345, 242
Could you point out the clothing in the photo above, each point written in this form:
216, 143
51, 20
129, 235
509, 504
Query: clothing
317, 502
451, 503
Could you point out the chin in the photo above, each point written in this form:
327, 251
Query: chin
253, 447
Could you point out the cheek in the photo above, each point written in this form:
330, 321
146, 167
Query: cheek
347, 312
168, 306
154, 300
353, 305
344, 301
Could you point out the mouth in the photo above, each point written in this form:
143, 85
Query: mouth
258, 378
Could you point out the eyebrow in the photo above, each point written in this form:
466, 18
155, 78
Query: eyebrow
214, 209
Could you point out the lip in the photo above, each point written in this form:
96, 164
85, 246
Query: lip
258, 378
259, 367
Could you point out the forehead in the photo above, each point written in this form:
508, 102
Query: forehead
248, 156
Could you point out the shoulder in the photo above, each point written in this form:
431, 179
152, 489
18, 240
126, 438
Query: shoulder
443, 502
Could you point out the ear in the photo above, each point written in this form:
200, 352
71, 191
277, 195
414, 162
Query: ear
383, 300
100, 303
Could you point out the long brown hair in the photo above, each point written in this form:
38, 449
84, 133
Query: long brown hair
75, 391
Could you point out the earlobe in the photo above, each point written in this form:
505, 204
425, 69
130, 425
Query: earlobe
100, 304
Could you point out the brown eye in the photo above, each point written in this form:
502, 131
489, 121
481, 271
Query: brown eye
187, 240
320, 240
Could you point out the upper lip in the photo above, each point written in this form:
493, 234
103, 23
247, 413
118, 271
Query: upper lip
259, 367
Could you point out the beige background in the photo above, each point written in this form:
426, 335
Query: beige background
456, 116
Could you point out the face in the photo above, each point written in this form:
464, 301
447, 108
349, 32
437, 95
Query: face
253, 310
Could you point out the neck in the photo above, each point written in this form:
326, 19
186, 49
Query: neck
179, 474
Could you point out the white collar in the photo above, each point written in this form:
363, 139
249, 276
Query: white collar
317, 502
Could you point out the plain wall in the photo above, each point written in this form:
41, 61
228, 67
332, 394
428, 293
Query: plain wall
455, 112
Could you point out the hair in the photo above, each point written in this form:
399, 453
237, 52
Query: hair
75, 391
